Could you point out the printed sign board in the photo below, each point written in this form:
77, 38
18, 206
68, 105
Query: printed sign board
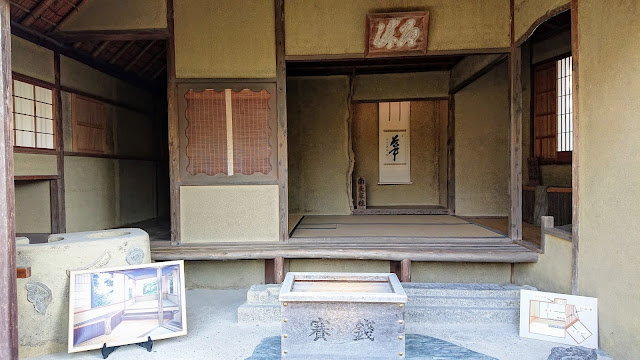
566, 319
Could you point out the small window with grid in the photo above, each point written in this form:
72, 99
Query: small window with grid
553, 111
33, 120
565, 105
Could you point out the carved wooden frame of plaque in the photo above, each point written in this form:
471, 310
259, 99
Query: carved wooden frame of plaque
421, 19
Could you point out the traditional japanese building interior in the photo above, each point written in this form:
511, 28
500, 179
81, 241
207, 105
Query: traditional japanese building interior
252, 138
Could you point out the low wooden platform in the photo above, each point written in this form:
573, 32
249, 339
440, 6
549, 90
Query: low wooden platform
448, 250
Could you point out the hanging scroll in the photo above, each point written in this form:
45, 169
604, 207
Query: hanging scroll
397, 34
394, 142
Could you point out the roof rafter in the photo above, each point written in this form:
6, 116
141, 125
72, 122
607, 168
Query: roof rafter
144, 50
115, 35
36, 13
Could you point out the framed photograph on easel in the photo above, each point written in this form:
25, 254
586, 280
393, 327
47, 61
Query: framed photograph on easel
126, 305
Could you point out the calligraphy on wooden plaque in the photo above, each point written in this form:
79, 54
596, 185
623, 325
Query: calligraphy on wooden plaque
397, 34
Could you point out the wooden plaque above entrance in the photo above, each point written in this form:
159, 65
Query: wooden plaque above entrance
397, 34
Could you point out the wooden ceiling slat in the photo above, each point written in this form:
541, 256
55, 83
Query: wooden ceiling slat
36, 12
121, 52
70, 14
153, 61
135, 60
100, 48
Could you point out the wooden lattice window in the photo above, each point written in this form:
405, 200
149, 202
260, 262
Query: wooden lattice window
206, 132
33, 120
553, 111
251, 132
228, 132
89, 125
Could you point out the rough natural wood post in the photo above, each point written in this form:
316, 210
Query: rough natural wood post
575, 165
8, 282
515, 145
274, 270
281, 95
172, 108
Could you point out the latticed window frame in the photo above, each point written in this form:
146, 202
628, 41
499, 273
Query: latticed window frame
185, 176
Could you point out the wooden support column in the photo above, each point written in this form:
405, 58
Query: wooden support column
174, 138
515, 145
274, 270
281, 94
8, 282
58, 209
402, 269
451, 156
575, 165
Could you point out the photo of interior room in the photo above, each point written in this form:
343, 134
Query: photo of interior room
125, 306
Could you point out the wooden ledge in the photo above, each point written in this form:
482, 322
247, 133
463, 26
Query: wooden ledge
433, 250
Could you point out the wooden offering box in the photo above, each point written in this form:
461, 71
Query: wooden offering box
342, 316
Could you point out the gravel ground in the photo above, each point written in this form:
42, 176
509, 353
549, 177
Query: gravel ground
213, 333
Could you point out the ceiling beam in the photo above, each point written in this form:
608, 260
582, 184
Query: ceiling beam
135, 60
111, 35
109, 69
36, 13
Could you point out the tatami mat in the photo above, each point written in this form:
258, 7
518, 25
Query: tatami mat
414, 226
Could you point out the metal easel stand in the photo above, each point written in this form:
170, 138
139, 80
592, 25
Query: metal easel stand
106, 351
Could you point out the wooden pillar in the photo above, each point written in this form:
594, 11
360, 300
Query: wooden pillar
451, 156
402, 269
515, 145
8, 282
274, 270
58, 214
174, 138
575, 165
281, 98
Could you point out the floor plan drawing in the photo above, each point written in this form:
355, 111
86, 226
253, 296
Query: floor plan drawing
559, 318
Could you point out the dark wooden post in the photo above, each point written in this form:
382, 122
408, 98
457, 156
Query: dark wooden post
172, 108
575, 165
58, 214
281, 86
8, 282
515, 145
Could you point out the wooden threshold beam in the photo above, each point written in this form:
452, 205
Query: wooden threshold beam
109, 35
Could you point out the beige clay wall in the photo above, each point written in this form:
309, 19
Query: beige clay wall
552, 272
338, 27
229, 213
481, 153
527, 12
224, 39
105, 15
318, 133
240, 274
609, 169
33, 213
32, 60
442, 272
425, 155
380, 87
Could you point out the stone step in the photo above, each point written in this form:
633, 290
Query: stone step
462, 315
428, 303
457, 301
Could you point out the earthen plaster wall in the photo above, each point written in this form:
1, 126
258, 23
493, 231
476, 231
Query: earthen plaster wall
481, 145
552, 272
225, 39
527, 12
609, 169
338, 27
